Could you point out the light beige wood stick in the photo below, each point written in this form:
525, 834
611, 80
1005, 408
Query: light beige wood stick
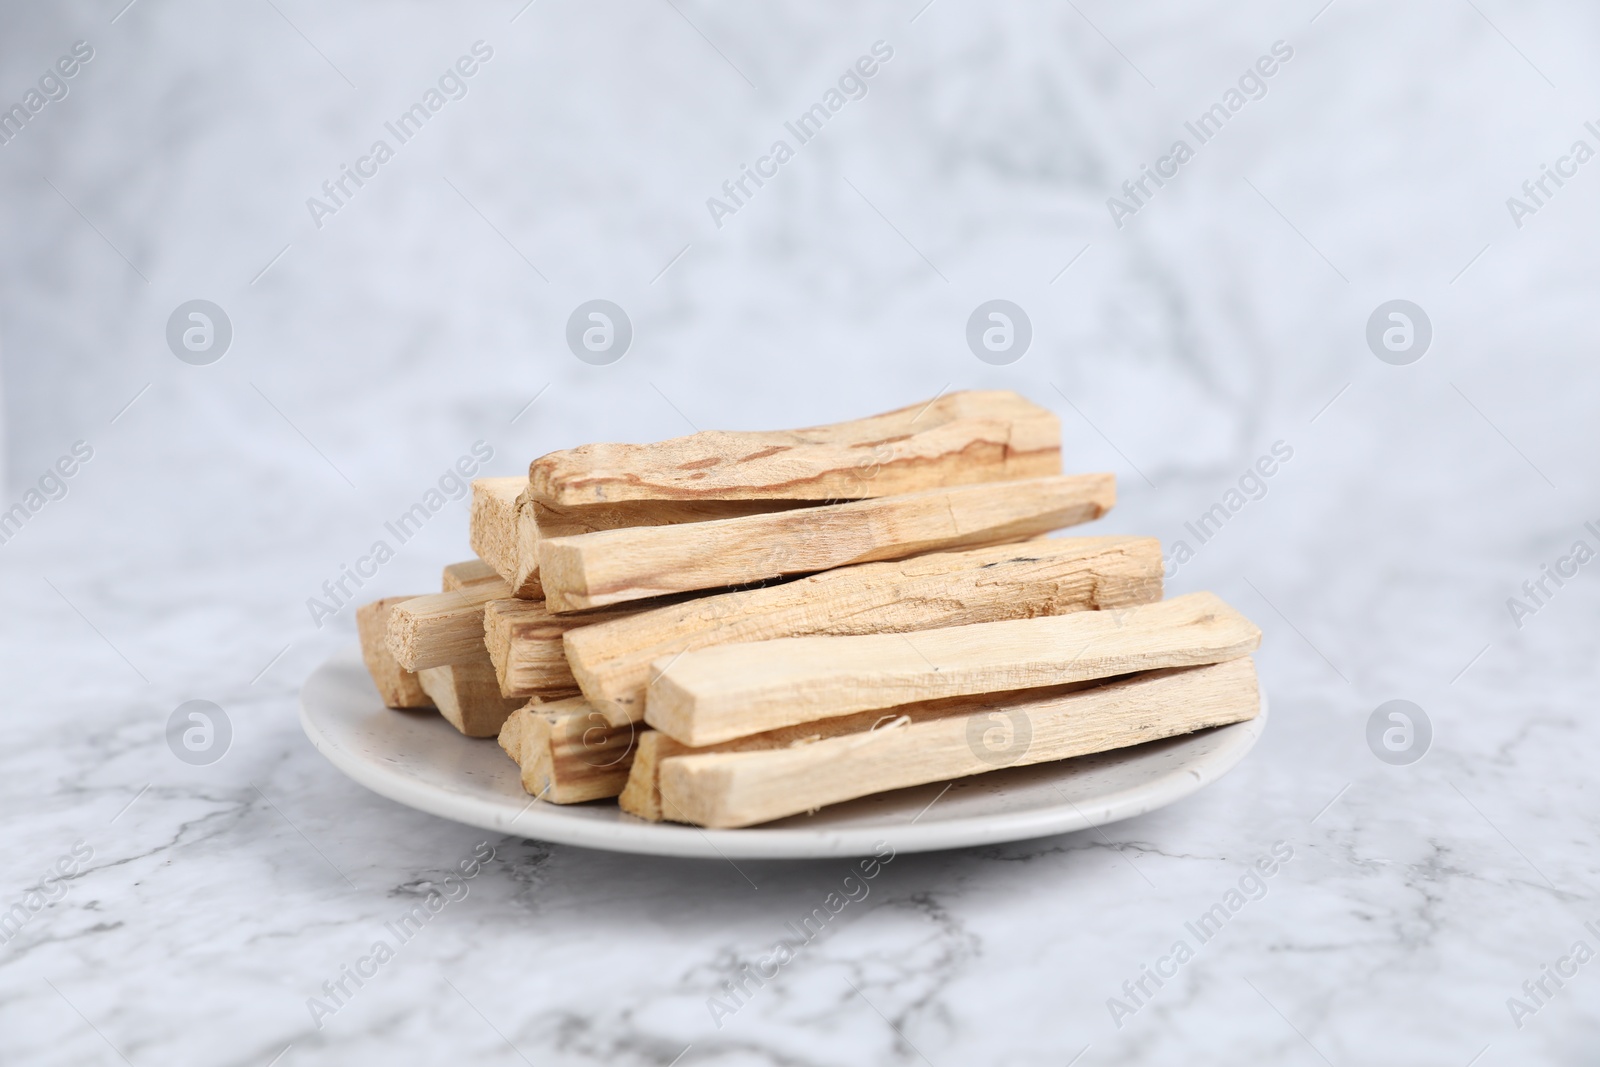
468, 695
956, 439
507, 524
471, 572
398, 687
497, 537
441, 628
1052, 576
614, 566
513, 732
642, 795
524, 642
715, 694
731, 789
566, 752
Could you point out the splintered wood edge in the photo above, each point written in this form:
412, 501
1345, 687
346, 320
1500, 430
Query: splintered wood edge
567, 756
1029, 446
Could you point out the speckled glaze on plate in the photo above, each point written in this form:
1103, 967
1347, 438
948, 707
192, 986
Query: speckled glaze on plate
417, 759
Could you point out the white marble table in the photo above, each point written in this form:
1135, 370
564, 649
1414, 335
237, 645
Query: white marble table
206, 906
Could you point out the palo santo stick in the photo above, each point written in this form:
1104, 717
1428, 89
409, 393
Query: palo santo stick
957, 439
468, 695
999, 746
524, 642
614, 566
715, 694
566, 752
611, 660
513, 732
743, 788
507, 524
642, 795
472, 572
441, 628
397, 686
496, 536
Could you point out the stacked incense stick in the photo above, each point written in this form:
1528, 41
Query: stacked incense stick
729, 628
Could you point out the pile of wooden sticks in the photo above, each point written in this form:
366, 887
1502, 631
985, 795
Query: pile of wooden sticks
730, 628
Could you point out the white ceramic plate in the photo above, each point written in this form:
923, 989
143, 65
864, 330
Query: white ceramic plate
418, 759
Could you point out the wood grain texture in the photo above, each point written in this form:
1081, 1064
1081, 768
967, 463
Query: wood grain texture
507, 524
1052, 576
398, 687
567, 755
513, 732
743, 788
525, 646
468, 695
441, 628
957, 439
524, 643
615, 566
716, 694
496, 535
642, 795
471, 572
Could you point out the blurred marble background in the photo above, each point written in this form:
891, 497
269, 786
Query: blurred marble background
1229, 313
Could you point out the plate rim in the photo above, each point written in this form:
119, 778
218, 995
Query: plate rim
548, 822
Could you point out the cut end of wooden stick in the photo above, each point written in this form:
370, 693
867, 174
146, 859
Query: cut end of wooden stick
398, 687
525, 645
468, 696
512, 731
641, 794
567, 755
458, 576
493, 523
508, 524
564, 575
500, 619
441, 628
